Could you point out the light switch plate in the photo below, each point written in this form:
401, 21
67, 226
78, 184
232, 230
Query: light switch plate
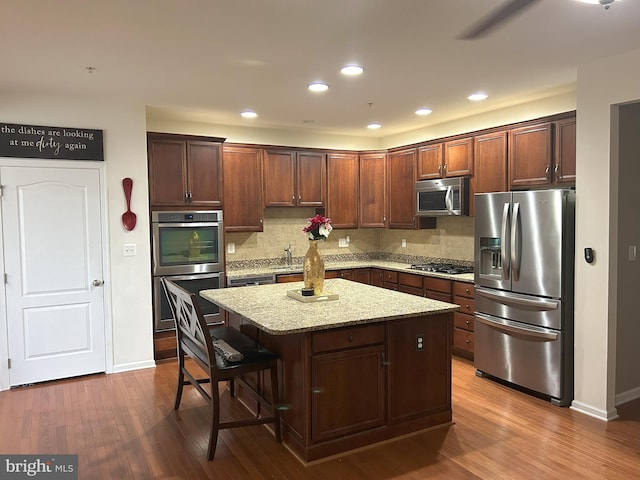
231, 248
342, 243
129, 250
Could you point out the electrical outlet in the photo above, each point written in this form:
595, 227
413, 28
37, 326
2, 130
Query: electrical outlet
231, 248
420, 342
129, 250
404, 243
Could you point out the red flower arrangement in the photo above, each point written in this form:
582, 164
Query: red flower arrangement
319, 227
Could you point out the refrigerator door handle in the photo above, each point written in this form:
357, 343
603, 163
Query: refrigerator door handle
529, 332
448, 199
515, 242
505, 251
509, 299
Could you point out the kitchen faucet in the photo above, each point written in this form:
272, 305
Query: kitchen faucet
289, 255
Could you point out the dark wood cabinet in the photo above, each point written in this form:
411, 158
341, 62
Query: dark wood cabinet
490, 165
425, 387
294, 178
342, 189
373, 194
464, 319
564, 171
430, 161
184, 171
401, 174
410, 283
242, 173
458, 158
377, 277
362, 275
437, 288
530, 156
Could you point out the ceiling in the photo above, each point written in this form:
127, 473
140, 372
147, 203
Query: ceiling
207, 60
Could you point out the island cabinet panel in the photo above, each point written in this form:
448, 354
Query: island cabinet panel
184, 171
293, 178
348, 392
401, 175
430, 161
373, 191
419, 367
242, 174
342, 189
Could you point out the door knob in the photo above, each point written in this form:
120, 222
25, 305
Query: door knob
98, 283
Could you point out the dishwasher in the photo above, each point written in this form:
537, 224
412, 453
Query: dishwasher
251, 280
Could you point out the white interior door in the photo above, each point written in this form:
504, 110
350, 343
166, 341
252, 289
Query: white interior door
52, 233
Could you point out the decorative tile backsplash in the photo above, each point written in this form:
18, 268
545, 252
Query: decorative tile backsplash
452, 239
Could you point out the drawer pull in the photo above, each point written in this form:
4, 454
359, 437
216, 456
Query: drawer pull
466, 290
467, 306
467, 341
467, 322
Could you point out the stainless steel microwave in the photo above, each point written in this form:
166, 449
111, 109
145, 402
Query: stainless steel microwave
443, 196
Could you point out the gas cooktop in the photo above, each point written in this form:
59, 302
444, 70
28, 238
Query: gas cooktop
451, 268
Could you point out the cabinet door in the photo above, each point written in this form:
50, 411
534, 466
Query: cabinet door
489, 165
279, 178
419, 379
342, 190
430, 161
401, 172
377, 277
242, 173
458, 157
204, 174
373, 199
311, 179
362, 275
348, 392
565, 158
530, 156
167, 172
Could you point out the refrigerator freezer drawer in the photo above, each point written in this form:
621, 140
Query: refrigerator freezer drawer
522, 354
543, 312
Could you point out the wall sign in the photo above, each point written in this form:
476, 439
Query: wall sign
64, 143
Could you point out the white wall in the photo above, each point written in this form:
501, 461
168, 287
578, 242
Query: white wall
125, 155
601, 85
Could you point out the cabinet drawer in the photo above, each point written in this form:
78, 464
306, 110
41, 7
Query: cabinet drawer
467, 305
465, 322
349, 337
437, 284
390, 277
442, 296
410, 280
463, 340
462, 289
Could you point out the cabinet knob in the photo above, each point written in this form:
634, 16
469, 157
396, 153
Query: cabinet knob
467, 322
467, 306
466, 290
467, 341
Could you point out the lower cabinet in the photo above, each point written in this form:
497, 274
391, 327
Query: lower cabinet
463, 319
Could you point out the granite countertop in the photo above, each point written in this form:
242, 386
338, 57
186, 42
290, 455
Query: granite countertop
270, 309
340, 265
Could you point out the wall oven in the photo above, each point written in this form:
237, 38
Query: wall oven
187, 247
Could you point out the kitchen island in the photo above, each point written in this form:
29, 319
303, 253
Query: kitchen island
373, 365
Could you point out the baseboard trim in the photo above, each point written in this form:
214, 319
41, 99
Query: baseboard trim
627, 396
604, 415
127, 367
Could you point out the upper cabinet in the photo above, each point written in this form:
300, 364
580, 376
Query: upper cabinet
401, 173
294, 178
458, 158
564, 170
242, 173
342, 189
373, 195
543, 154
184, 171
490, 160
429, 164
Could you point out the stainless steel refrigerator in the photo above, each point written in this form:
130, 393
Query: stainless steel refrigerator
524, 276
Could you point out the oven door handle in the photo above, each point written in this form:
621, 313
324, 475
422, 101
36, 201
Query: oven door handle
505, 328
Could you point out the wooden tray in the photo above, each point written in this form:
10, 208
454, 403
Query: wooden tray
316, 298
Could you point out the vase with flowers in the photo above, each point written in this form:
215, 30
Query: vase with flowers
317, 229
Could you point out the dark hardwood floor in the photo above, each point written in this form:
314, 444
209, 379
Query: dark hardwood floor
123, 426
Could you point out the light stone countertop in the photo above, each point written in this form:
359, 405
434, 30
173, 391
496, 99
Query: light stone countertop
270, 309
384, 264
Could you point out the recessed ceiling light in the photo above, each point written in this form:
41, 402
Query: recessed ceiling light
374, 126
318, 87
249, 114
351, 70
423, 111
476, 97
